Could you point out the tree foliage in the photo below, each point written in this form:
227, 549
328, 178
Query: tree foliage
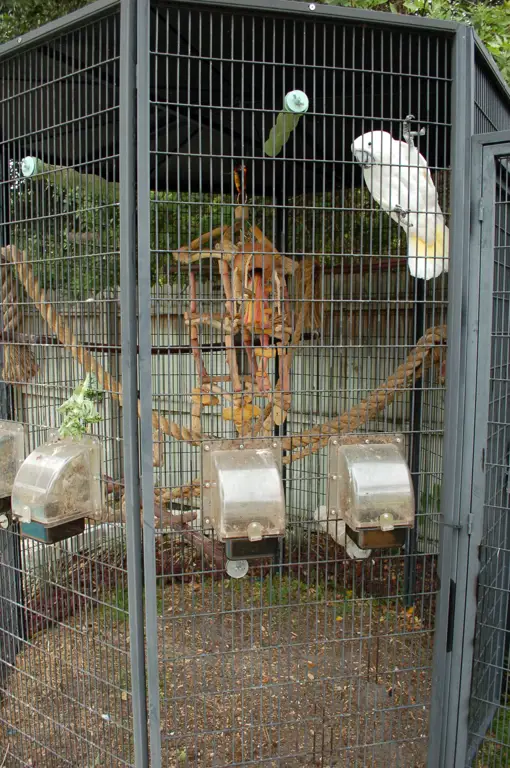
70, 231
20, 16
490, 19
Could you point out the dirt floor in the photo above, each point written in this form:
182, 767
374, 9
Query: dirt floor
270, 670
285, 673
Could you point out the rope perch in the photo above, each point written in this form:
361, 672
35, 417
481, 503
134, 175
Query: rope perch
427, 352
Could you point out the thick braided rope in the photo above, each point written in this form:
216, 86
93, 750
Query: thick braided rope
70, 341
427, 349
20, 365
367, 409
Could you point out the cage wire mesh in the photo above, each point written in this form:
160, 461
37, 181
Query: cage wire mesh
65, 697
492, 111
314, 656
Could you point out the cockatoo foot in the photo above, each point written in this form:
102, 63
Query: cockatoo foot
401, 212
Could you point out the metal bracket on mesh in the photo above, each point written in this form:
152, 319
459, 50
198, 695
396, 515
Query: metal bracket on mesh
454, 526
468, 524
407, 134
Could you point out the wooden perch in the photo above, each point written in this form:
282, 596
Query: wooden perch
193, 252
213, 551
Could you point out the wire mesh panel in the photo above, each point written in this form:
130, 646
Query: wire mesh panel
65, 699
489, 720
278, 303
492, 110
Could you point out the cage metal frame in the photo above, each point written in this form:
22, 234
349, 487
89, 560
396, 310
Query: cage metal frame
485, 149
457, 539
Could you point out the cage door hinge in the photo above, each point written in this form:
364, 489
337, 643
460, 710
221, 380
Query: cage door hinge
451, 616
480, 209
470, 524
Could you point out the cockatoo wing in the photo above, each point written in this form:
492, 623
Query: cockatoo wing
427, 236
383, 184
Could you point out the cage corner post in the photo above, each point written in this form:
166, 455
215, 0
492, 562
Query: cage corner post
12, 624
129, 334
459, 416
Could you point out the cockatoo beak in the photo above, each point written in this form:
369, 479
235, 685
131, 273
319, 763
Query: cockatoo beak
362, 156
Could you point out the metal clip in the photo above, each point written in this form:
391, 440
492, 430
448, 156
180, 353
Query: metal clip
455, 526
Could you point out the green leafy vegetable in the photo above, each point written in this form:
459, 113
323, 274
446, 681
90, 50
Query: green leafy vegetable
79, 411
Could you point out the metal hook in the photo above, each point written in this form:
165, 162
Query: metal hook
408, 134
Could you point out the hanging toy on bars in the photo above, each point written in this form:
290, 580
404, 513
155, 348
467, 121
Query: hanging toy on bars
240, 174
294, 107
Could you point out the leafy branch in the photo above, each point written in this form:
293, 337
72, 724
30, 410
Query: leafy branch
79, 411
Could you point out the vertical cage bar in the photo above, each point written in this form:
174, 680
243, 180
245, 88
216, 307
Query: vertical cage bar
11, 587
145, 370
129, 337
414, 464
460, 394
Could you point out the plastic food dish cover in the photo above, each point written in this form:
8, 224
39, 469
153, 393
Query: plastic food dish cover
370, 482
243, 489
59, 482
12, 453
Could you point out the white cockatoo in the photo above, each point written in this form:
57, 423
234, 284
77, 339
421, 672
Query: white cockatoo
336, 529
399, 180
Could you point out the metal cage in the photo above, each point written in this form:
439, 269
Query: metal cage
237, 301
